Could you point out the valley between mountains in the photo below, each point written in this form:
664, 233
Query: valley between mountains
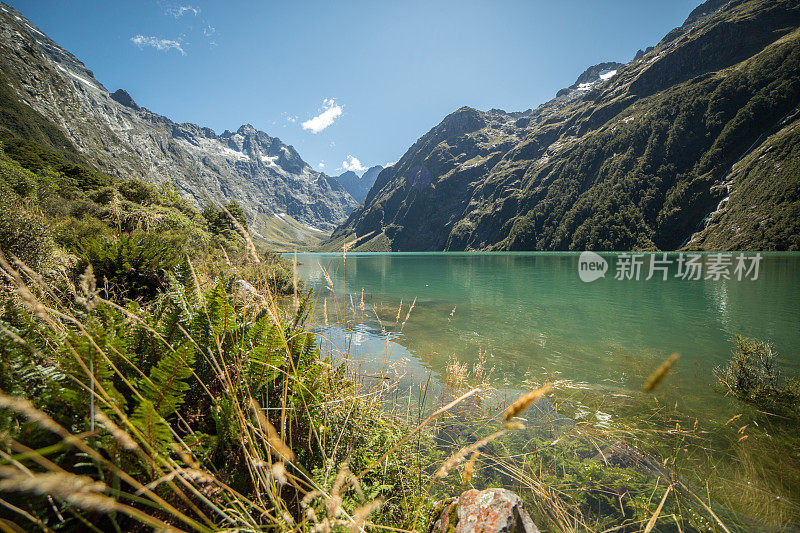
691, 144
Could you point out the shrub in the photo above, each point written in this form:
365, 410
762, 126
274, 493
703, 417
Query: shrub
23, 182
130, 266
23, 231
69, 232
752, 375
220, 223
138, 192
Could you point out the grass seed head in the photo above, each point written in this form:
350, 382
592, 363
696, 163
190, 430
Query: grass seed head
469, 467
122, 437
655, 379
525, 401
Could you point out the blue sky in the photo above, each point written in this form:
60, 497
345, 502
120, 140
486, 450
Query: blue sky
377, 75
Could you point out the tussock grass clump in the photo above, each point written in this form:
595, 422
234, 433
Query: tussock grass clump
753, 376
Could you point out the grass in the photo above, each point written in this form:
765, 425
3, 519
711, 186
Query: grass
212, 409
221, 404
287, 234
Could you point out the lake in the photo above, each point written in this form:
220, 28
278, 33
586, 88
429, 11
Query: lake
535, 319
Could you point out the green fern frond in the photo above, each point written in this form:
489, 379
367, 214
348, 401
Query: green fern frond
166, 385
153, 427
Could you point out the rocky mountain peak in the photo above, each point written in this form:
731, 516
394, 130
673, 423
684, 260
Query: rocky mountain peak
260, 172
598, 72
463, 120
592, 76
247, 129
709, 7
122, 96
358, 187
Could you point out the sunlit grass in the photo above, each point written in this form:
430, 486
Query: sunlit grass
304, 438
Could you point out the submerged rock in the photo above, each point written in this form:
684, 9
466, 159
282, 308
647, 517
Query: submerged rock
486, 511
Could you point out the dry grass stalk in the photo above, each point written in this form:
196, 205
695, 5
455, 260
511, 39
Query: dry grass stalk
333, 505
250, 246
524, 401
279, 473
294, 280
273, 439
733, 418
346, 246
655, 379
81, 491
119, 435
26, 409
652, 522
360, 514
88, 285
408, 314
459, 456
328, 279
191, 474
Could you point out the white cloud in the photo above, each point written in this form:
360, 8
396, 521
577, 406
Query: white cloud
159, 44
352, 163
331, 112
321, 165
179, 11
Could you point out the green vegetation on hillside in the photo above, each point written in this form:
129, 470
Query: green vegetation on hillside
60, 212
763, 210
636, 163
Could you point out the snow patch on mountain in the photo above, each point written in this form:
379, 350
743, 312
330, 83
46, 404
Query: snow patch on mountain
608, 74
79, 78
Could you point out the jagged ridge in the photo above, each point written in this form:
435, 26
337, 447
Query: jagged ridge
262, 173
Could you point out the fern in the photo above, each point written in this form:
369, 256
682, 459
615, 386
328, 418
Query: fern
102, 348
153, 427
166, 386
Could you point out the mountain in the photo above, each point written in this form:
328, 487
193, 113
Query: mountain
358, 187
125, 140
692, 143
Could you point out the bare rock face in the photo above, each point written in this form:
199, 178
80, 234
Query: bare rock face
486, 511
263, 174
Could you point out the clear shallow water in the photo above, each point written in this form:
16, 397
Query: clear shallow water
535, 318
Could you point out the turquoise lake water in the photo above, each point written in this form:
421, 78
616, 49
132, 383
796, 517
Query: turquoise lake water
535, 319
